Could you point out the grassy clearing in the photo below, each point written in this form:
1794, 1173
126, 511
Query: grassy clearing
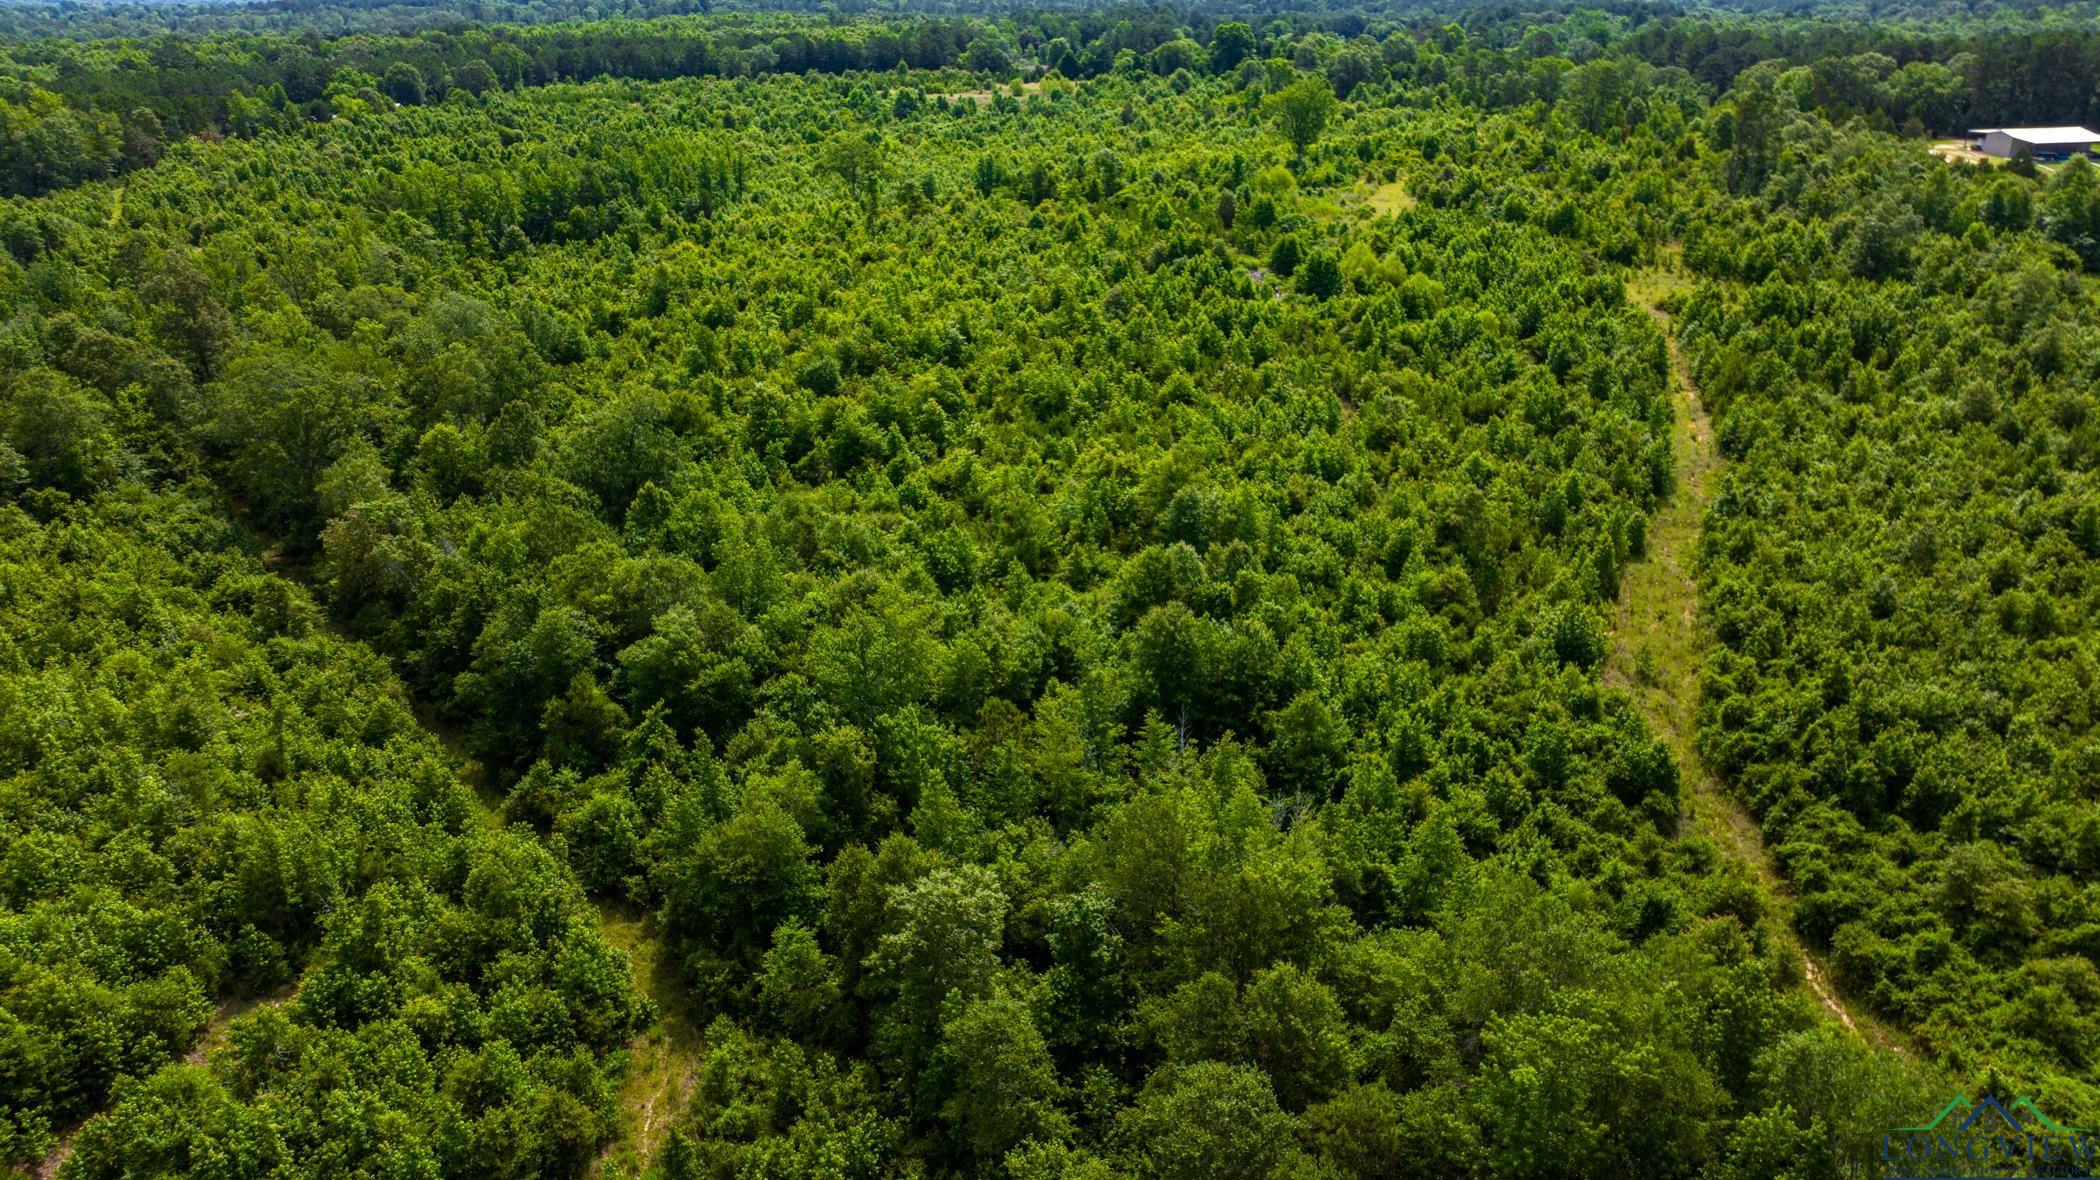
663, 1062
1958, 151
986, 94
1656, 648
1653, 288
1368, 200
1388, 199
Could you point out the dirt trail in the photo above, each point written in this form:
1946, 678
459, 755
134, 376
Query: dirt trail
1657, 649
663, 1060
228, 1010
223, 1014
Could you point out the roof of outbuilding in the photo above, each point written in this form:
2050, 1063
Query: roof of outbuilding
2043, 134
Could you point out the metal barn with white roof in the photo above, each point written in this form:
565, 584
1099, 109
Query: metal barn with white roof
2043, 143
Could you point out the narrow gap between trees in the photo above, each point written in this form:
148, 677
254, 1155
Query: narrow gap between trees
1657, 648
663, 1059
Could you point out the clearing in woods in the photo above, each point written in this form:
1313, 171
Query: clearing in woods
1390, 197
983, 95
1373, 198
1657, 647
663, 1063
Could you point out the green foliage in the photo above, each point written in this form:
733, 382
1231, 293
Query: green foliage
1085, 638
1208, 1120
1301, 111
211, 797
1898, 582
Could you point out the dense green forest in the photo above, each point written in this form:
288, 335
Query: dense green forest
1058, 566
1912, 711
209, 796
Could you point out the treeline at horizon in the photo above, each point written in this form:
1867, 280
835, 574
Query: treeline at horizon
94, 106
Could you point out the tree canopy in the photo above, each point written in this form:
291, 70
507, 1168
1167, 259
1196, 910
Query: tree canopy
1061, 570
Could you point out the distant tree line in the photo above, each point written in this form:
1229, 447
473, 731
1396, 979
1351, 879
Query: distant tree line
79, 110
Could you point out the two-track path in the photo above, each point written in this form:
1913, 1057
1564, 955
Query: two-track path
1657, 649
